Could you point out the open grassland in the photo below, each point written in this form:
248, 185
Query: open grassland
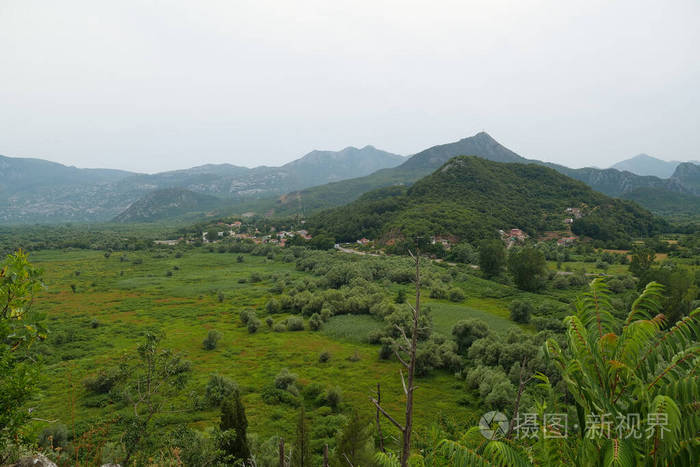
116, 299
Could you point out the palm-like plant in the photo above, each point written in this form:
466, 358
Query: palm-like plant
616, 371
634, 371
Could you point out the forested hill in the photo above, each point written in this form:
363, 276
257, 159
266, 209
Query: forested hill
612, 182
472, 198
320, 197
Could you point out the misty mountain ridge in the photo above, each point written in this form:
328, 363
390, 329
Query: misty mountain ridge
35, 190
644, 164
611, 182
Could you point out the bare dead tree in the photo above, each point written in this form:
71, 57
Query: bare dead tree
281, 448
325, 455
408, 345
379, 425
521, 387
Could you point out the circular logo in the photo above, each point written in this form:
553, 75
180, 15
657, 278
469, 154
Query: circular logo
493, 425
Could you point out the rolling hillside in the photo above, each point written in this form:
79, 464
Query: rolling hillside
472, 198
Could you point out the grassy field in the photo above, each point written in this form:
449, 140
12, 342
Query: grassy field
116, 299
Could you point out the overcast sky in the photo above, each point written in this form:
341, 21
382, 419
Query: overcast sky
156, 85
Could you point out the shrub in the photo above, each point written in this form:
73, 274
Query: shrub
324, 357
104, 381
520, 311
54, 436
273, 306
239, 259
456, 295
255, 277
269, 321
218, 389
560, 282
274, 396
221, 297
285, 379
295, 324
94, 323
465, 332
247, 315
279, 327
168, 273
254, 325
212, 340
315, 322
334, 397
438, 293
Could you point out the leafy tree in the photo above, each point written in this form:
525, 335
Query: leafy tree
528, 267
642, 260
155, 376
465, 332
19, 328
492, 257
637, 367
520, 311
354, 444
301, 451
233, 440
611, 369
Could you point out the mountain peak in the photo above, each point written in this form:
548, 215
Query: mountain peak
644, 164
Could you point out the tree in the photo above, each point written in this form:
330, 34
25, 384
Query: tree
492, 257
354, 444
301, 452
155, 376
407, 346
19, 328
520, 311
642, 260
528, 267
465, 332
233, 441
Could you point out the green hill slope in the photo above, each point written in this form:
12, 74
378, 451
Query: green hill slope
168, 203
472, 198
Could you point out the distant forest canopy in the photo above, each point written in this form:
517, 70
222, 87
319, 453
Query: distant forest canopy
471, 199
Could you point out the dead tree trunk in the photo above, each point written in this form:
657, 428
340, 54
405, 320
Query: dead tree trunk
516, 410
325, 455
409, 346
379, 425
282, 463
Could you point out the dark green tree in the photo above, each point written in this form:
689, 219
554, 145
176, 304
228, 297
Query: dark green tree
301, 451
354, 444
465, 332
492, 257
234, 441
528, 267
642, 260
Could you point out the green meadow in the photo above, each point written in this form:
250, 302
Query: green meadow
98, 309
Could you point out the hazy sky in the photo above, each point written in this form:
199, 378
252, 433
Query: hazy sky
155, 85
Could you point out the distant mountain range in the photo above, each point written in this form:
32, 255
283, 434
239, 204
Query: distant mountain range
32, 190
644, 164
470, 198
681, 186
38, 191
